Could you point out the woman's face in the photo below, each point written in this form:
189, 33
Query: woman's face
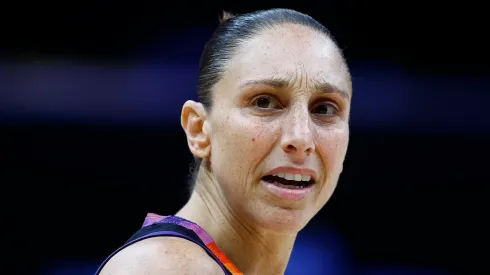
280, 117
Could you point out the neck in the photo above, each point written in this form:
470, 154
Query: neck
252, 249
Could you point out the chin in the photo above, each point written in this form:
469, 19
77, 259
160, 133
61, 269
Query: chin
282, 220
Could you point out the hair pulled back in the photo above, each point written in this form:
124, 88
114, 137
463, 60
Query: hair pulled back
232, 31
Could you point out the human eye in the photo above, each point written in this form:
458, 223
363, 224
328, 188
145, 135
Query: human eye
325, 109
265, 102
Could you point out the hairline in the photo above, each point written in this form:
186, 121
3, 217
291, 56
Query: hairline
243, 42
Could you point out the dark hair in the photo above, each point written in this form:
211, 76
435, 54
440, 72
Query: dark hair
227, 38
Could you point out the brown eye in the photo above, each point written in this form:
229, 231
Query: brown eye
263, 102
325, 109
266, 102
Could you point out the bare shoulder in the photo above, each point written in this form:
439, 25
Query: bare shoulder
162, 255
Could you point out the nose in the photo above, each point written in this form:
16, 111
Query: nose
297, 140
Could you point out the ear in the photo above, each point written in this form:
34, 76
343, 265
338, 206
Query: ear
194, 122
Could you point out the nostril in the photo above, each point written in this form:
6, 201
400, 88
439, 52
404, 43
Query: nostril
290, 147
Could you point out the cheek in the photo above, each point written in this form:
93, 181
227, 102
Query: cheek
333, 147
243, 139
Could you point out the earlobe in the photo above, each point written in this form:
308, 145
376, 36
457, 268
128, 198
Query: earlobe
195, 124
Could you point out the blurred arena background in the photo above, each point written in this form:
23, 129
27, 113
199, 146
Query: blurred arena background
90, 99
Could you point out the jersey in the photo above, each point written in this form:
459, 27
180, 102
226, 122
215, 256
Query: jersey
173, 226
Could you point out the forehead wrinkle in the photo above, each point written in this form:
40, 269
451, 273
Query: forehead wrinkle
287, 81
318, 84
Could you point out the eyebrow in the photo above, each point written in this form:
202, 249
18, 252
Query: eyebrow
278, 83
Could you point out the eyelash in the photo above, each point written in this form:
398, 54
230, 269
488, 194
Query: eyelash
256, 99
330, 104
272, 98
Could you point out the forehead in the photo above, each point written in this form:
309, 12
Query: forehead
289, 51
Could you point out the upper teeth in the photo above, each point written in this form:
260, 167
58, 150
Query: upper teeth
295, 177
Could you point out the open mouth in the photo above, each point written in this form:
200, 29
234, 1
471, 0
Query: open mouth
289, 181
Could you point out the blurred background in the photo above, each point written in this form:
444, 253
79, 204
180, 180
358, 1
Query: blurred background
90, 100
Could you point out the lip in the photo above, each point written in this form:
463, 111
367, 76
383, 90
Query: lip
293, 170
287, 194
